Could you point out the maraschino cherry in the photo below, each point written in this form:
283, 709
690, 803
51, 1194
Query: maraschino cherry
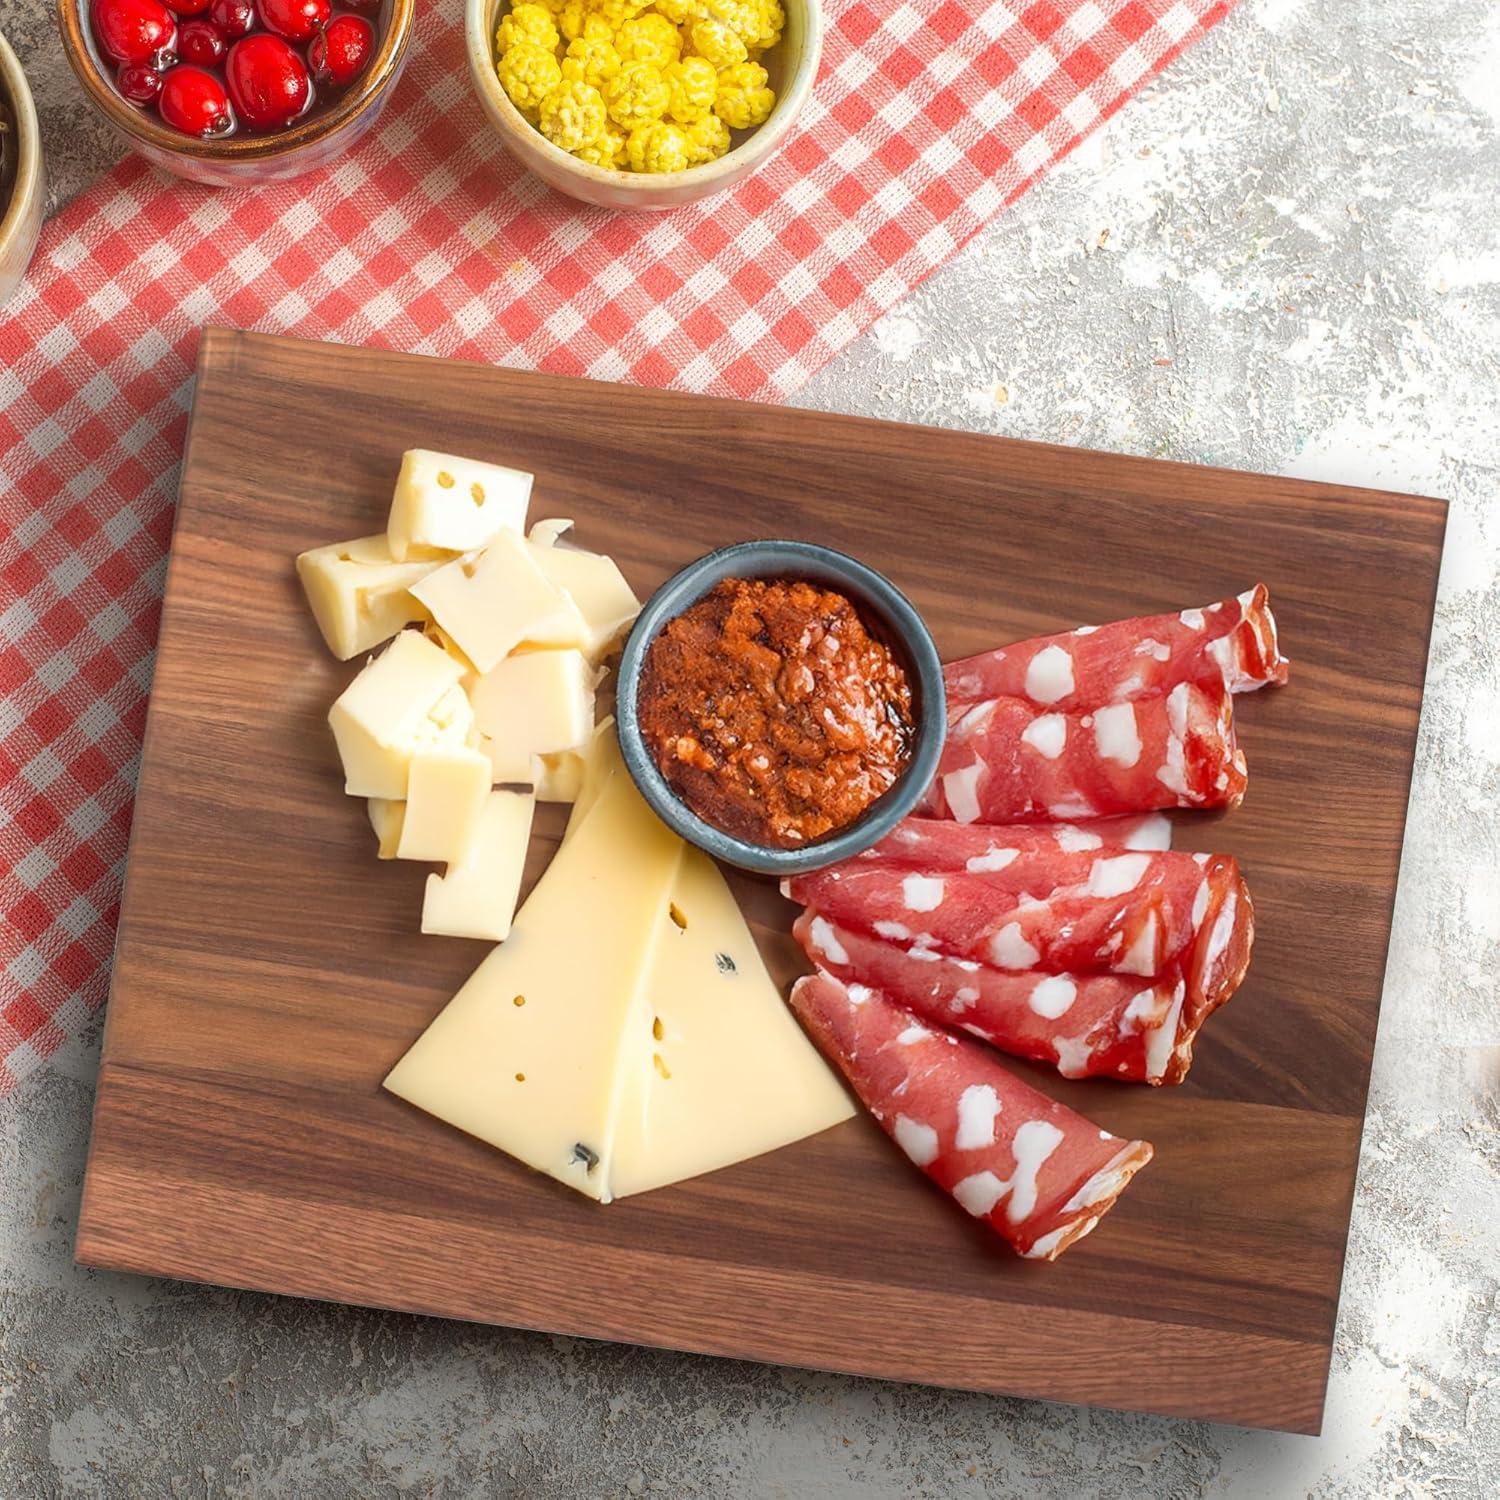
268, 82
295, 20
194, 102
134, 31
338, 54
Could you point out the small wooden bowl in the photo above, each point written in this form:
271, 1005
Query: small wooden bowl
240, 160
21, 215
797, 57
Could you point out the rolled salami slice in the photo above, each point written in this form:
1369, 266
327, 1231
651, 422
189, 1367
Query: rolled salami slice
1084, 1025
1038, 1174
1233, 642
1007, 762
1136, 914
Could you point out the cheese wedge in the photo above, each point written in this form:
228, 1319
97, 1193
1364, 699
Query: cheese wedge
386, 818
594, 583
489, 602
731, 1073
534, 704
532, 1052
601, 760
476, 898
360, 596
446, 790
406, 697
446, 504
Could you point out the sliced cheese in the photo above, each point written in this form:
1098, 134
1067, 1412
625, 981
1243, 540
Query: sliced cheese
601, 760
406, 697
476, 898
491, 601
557, 777
446, 789
731, 1073
594, 583
533, 704
386, 818
531, 1054
360, 596
448, 504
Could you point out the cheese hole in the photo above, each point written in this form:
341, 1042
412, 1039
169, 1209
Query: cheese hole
675, 912
468, 569
661, 1067
520, 1078
519, 1001
657, 1029
476, 493
346, 557
445, 479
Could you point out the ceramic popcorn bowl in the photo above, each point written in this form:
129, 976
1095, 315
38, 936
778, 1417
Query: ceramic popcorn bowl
792, 64
21, 207
241, 160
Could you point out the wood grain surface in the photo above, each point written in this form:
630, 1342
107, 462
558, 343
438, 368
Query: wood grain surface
269, 970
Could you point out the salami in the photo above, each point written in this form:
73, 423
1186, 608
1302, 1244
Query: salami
1039, 1175
1084, 1025
1232, 643
1007, 762
1134, 915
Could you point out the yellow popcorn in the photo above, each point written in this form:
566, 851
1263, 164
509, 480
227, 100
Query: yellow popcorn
680, 12
575, 17
692, 85
592, 58
526, 23
572, 115
649, 38
607, 151
658, 147
528, 73
743, 100
758, 23
715, 41
638, 94
615, 13
708, 139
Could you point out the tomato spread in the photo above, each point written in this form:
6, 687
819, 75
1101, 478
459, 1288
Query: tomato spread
773, 712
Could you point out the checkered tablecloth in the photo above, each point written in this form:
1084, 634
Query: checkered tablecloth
929, 116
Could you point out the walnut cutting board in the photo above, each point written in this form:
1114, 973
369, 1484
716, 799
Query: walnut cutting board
270, 971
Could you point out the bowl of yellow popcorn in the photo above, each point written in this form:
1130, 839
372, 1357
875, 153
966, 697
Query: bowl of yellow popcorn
643, 103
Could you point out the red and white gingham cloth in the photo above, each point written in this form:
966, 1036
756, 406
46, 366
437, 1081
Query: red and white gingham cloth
929, 116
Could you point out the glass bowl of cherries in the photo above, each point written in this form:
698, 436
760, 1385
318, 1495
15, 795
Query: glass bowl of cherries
237, 91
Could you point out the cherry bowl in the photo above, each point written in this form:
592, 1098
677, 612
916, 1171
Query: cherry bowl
794, 69
24, 199
242, 159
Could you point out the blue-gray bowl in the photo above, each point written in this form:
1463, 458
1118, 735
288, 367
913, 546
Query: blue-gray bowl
883, 607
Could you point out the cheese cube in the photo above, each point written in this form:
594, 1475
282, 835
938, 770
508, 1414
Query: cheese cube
448, 504
535, 703
386, 818
593, 582
401, 699
491, 601
359, 595
476, 898
445, 793
545, 533
557, 777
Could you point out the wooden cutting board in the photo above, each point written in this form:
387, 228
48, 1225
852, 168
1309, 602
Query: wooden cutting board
269, 970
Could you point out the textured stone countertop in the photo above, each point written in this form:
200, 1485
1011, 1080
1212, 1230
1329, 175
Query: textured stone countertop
1284, 256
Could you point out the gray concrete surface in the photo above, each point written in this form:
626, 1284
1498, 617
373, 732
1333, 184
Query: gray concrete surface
1284, 256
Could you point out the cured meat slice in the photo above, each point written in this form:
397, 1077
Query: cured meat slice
1084, 1025
1038, 1174
1233, 642
941, 844
1006, 762
1134, 915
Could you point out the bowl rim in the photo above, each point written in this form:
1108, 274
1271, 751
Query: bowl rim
140, 126
28, 133
870, 591
756, 146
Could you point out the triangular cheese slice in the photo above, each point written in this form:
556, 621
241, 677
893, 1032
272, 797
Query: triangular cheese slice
730, 1073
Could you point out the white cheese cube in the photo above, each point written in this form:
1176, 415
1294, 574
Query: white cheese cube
386, 818
445, 794
449, 504
359, 595
493, 600
402, 699
593, 582
476, 898
534, 703
557, 777
546, 533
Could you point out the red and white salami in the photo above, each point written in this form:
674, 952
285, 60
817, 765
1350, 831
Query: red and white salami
1137, 913
1084, 1025
1232, 643
1038, 1174
1006, 761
